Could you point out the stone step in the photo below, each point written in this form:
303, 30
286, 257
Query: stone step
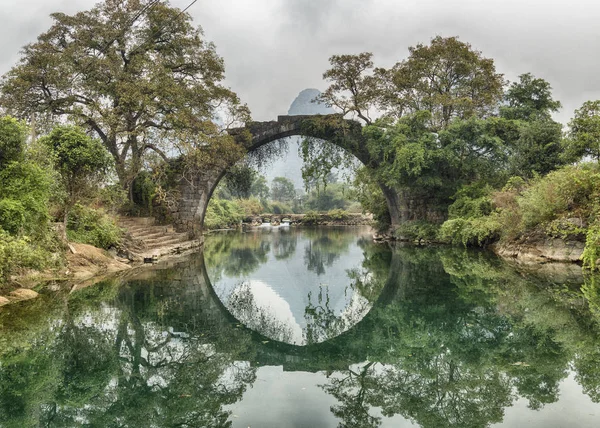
133, 221
149, 230
150, 234
167, 240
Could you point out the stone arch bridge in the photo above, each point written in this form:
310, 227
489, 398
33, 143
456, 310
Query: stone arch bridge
333, 128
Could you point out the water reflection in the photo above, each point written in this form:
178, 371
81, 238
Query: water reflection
290, 297
453, 339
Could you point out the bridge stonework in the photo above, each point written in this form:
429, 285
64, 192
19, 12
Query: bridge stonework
347, 134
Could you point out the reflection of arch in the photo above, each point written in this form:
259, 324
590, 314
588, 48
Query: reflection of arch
333, 128
317, 356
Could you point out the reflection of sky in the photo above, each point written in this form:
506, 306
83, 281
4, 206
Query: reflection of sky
288, 395
282, 287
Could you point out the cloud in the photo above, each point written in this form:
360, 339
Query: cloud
275, 48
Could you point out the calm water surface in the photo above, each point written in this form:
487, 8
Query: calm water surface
309, 328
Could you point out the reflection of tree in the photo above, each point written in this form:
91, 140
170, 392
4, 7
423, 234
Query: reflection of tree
324, 248
244, 307
236, 254
138, 361
284, 245
352, 390
454, 347
321, 321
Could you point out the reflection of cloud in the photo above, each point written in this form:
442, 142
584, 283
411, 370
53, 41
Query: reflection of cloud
259, 307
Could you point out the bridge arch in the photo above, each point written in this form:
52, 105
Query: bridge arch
333, 128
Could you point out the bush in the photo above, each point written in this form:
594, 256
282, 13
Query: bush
418, 230
338, 214
28, 186
280, 208
112, 198
93, 227
20, 253
12, 216
569, 189
310, 218
222, 213
471, 232
591, 252
250, 206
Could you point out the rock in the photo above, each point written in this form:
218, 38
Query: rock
4, 301
540, 251
22, 294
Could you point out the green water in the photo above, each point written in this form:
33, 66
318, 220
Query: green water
309, 328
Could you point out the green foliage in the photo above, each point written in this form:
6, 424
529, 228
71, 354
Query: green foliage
81, 161
561, 204
260, 188
222, 213
156, 81
311, 218
418, 230
17, 253
591, 252
12, 216
144, 190
13, 134
93, 227
282, 189
28, 186
584, 135
538, 149
471, 201
250, 207
338, 214
112, 198
570, 191
529, 98
334, 196
239, 181
479, 231
421, 82
280, 208
368, 192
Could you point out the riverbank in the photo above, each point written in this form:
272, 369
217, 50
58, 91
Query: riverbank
86, 265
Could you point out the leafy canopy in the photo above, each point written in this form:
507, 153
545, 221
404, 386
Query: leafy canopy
135, 72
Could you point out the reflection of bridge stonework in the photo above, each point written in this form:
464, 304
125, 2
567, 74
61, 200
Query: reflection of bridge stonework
333, 128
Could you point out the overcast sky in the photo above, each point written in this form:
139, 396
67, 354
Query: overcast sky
275, 48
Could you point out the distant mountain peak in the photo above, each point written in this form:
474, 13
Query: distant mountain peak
303, 104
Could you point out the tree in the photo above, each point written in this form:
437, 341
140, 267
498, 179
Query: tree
529, 98
239, 180
282, 189
260, 188
537, 144
13, 135
584, 135
81, 162
135, 72
351, 89
447, 78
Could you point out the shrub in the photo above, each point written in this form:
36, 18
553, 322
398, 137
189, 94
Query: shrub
591, 252
418, 230
94, 227
310, 218
250, 206
338, 214
12, 216
222, 213
568, 189
280, 208
471, 232
20, 253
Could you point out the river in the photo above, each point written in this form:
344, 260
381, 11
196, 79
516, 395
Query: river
285, 327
